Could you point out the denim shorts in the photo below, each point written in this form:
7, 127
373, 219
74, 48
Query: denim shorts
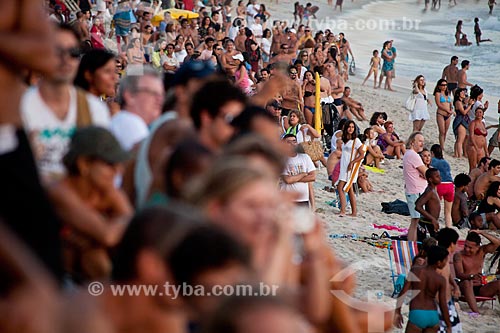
410, 200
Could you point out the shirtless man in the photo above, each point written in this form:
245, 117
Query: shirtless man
468, 265
264, 77
337, 85
228, 61
430, 199
278, 38
423, 316
185, 30
284, 55
447, 239
475, 173
462, 75
450, 74
484, 181
354, 106
292, 93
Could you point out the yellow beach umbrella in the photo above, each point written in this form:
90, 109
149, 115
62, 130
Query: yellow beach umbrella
175, 14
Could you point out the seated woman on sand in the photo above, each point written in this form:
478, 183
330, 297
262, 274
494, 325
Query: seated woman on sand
491, 201
377, 122
390, 143
374, 155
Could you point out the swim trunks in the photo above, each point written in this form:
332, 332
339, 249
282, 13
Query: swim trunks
424, 318
337, 101
452, 86
456, 326
446, 190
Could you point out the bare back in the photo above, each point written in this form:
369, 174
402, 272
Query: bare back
482, 183
462, 78
429, 283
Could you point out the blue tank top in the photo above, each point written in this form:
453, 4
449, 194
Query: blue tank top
444, 169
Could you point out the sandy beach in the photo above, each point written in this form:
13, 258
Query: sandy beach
371, 263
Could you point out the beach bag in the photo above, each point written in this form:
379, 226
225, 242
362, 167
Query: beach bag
352, 68
410, 102
314, 149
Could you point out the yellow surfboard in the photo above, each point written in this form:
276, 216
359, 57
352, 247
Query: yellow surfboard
318, 113
351, 175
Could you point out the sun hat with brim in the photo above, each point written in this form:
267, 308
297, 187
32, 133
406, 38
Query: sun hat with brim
95, 142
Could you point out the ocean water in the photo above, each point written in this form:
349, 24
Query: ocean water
424, 39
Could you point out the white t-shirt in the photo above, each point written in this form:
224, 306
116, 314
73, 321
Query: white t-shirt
129, 129
257, 31
294, 166
50, 136
171, 61
266, 45
252, 10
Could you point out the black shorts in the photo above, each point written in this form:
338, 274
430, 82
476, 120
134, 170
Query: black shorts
476, 290
452, 86
337, 101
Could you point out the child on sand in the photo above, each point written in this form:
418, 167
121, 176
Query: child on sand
374, 68
423, 316
430, 199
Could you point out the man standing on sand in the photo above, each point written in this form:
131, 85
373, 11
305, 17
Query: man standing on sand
299, 172
450, 74
415, 183
228, 62
462, 75
337, 85
469, 264
52, 110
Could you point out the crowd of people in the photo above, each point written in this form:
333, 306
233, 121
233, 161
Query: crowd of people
154, 159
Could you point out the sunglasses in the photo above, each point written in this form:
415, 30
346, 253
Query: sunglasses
293, 73
73, 52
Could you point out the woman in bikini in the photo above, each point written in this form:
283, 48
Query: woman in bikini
477, 147
461, 121
444, 109
458, 33
309, 89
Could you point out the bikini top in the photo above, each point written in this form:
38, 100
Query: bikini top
477, 131
443, 99
309, 93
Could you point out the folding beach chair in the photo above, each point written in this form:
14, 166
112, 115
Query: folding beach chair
403, 253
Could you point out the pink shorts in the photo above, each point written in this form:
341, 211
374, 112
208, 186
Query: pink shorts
446, 191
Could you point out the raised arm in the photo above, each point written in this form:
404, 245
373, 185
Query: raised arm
494, 241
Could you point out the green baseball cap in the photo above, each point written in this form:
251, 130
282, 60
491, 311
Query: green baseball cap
95, 142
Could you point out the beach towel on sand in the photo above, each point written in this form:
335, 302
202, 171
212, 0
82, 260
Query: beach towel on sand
396, 207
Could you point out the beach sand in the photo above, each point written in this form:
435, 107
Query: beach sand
371, 263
